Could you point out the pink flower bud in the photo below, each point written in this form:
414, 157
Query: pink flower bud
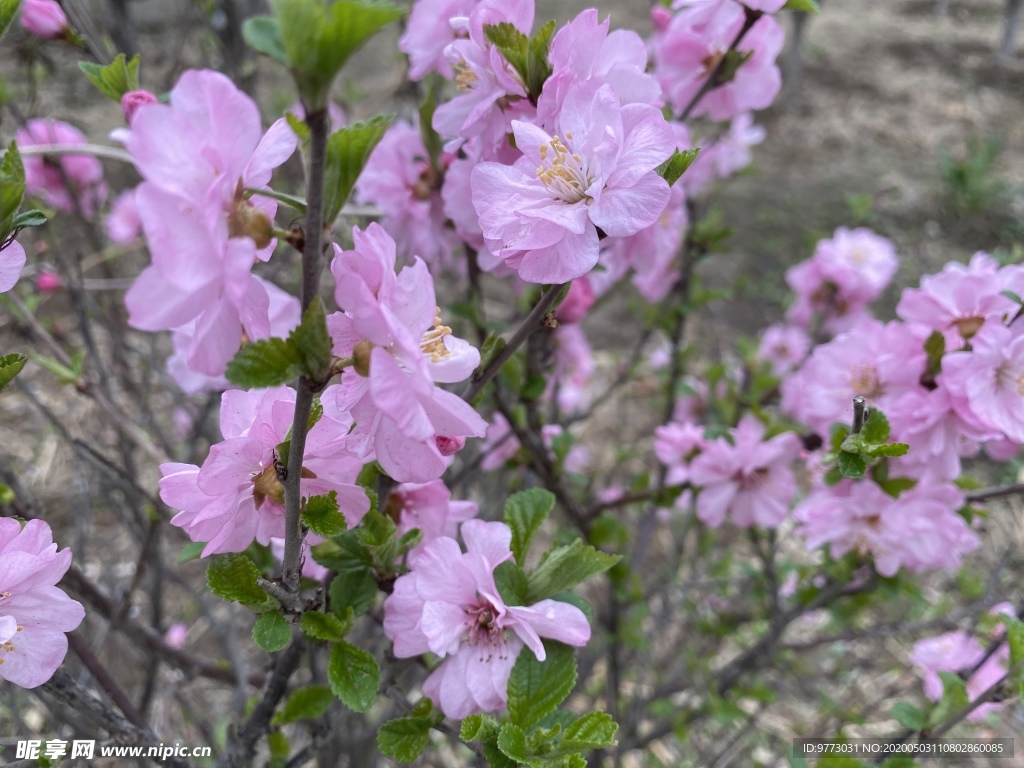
43, 18
577, 303
660, 17
448, 446
131, 102
48, 282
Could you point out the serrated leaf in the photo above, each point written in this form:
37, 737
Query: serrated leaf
536, 688
404, 738
8, 10
272, 632
876, 428
513, 44
478, 727
191, 551
355, 590
263, 35
354, 676
304, 704
311, 343
233, 577
909, 716
322, 626
10, 366
347, 152
673, 168
524, 513
510, 580
264, 363
538, 68
318, 38
892, 449
321, 515
595, 730
116, 79
564, 567
851, 465
809, 6
512, 743
954, 699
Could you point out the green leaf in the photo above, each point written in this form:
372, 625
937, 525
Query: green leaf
525, 512
311, 343
432, 141
565, 567
10, 366
909, 716
191, 551
894, 486
322, 626
264, 36
8, 10
280, 749
510, 580
347, 152
810, 6
353, 589
851, 465
264, 363
304, 704
935, 348
876, 428
595, 730
673, 168
513, 44
233, 577
318, 38
320, 514
954, 699
404, 738
512, 743
478, 728
116, 79
354, 676
536, 688
1015, 638
272, 632
27, 219
12, 188
892, 449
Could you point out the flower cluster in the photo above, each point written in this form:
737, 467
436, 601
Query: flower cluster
69, 183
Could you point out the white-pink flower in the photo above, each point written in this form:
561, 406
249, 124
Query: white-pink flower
676, 444
34, 613
784, 347
70, 183
748, 480
237, 497
449, 605
12, 261
429, 507
960, 653
542, 215
428, 32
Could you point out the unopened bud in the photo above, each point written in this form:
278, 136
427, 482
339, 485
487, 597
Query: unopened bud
44, 18
448, 446
361, 357
132, 101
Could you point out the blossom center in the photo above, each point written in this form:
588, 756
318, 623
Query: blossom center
563, 172
267, 484
465, 78
753, 481
433, 340
484, 629
968, 326
864, 381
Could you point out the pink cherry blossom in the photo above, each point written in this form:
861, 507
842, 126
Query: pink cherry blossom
784, 347
584, 50
960, 653
574, 368
500, 444
392, 322
688, 51
960, 299
676, 444
986, 384
919, 530
70, 183
132, 101
845, 274
44, 18
429, 507
457, 194
236, 497
400, 179
767, 6
449, 605
577, 302
12, 261
122, 223
542, 215
34, 613
879, 362
428, 32
748, 480
492, 93
197, 154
